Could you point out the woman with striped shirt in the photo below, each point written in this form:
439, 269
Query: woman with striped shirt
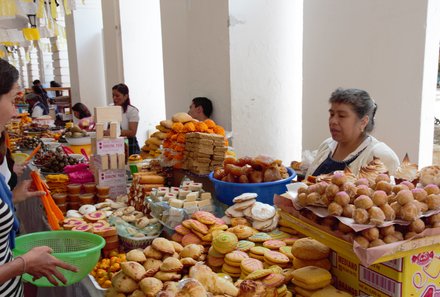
38, 262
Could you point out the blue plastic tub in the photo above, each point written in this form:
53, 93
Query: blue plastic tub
226, 191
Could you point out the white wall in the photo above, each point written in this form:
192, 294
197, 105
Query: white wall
84, 39
266, 73
111, 33
374, 45
142, 56
196, 55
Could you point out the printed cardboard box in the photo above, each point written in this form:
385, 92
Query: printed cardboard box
115, 179
412, 275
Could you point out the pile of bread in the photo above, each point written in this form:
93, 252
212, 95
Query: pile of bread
261, 216
378, 205
182, 124
251, 170
142, 185
203, 152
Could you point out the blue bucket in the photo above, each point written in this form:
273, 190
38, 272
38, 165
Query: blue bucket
226, 191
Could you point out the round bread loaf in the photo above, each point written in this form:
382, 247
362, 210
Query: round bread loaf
310, 249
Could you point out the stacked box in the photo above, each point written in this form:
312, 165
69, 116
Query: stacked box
108, 160
203, 152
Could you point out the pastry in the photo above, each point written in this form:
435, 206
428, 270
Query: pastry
310, 249
225, 242
150, 286
234, 258
259, 237
163, 245
262, 212
133, 269
136, 255
244, 197
245, 245
152, 266
274, 244
171, 264
322, 263
311, 278
249, 265
276, 257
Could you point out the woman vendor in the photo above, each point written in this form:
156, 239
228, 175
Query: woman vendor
352, 115
38, 262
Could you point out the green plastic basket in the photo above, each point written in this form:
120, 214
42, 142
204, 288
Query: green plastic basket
81, 249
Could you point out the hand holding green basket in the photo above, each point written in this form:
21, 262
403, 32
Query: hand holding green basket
44, 253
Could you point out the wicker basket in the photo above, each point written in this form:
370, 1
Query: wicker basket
130, 243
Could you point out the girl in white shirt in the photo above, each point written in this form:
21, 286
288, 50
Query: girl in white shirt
130, 116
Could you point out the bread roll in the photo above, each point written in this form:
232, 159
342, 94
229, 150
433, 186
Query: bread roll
151, 179
181, 117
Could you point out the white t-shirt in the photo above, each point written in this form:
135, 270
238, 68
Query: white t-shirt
4, 169
37, 112
130, 116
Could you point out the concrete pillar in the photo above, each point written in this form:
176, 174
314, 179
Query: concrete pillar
33, 65
114, 66
60, 62
266, 73
390, 49
195, 41
22, 67
85, 52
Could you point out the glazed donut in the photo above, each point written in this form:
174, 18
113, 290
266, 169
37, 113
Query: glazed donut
376, 242
335, 209
342, 198
388, 230
433, 201
417, 226
404, 197
371, 233
360, 216
409, 212
377, 217
379, 197
363, 202
348, 210
362, 241
388, 211
384, 186
419, 194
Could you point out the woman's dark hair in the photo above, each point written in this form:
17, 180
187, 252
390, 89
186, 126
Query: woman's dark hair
83, 111
37, 98
8, 77
123, 89
54, 84
360, 101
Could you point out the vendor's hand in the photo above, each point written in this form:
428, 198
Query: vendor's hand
19, 168
24, 191
40, 262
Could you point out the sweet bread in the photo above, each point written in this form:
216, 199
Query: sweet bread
310, 249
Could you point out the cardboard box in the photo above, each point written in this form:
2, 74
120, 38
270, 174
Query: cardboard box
108, 146
115, 179
413, 275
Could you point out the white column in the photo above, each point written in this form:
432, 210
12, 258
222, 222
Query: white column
142, 59
385, 47
266, 77
114, 66
22, 67
32, 66
60, 62
196, 55
85, 52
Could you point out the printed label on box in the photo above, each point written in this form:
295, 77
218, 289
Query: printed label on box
379, 281
109, 146
115, 179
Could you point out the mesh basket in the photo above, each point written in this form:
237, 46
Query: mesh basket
131, 243
81, 249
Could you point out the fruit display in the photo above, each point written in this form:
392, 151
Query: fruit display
53, 161
75, 132
28, 142
106, 268
251, 170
